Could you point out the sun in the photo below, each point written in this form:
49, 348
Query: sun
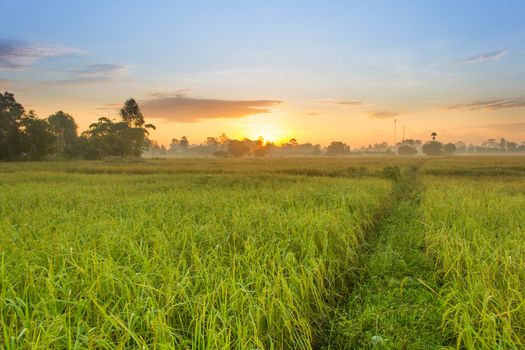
268, 133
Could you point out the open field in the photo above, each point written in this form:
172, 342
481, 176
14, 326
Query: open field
264, 253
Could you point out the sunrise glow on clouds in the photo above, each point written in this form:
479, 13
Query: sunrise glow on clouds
317, 71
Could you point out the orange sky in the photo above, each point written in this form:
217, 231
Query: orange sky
316, 71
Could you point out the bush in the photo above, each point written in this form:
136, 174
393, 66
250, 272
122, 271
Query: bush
391, 172
238, 148
433, 148
221, 154
449, 148
337, 148
406, 150
117, 159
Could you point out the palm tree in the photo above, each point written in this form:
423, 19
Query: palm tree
433, 135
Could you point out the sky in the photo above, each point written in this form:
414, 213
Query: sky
318, 71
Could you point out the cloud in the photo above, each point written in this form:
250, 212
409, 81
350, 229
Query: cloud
506, 127
501, 127
95, 70
90, 74
110, 107
488, 105
382, 114
491, 56
19, 55
341, 102
180, 108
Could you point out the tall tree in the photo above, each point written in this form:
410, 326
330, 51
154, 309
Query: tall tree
64, 128
184, 143
132, 127
11, 114
131, 114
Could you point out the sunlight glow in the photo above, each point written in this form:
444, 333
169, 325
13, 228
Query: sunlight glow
268, 133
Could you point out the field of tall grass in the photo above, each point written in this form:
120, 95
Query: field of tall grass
355, 252
475, 232
184, 261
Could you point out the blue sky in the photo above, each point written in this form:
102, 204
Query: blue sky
316, 70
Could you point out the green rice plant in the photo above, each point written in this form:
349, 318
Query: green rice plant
476, 234
175, 260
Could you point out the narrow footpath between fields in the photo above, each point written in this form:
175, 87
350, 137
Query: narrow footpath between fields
394, 305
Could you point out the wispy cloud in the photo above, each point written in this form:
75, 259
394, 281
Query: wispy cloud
110, 107
180, 108
91, 74
95, 70
341, 102
18, 55
382, 114
501, 127
506, 127
491, 56
489, 105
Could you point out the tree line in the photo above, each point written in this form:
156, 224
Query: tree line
222, 146
24, 136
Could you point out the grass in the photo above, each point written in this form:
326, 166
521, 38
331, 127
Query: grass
475, 233
334, 253
394, 305
206, 261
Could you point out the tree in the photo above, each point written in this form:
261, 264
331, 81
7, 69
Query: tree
132, 129
223, 139
131, 114
238, 148
449, 148
512, 146
406, 150
261, 148
11, 114
337, 148
64, 128
109, 138
184, 143
503, 144
433, 135
37, 138
433, 148
211, 141
101, 140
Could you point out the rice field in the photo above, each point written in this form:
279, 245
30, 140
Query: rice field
476, 234
316, 253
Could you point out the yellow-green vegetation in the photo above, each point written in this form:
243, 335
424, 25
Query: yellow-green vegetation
332, 253
177, 261
393, 305
475, 231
